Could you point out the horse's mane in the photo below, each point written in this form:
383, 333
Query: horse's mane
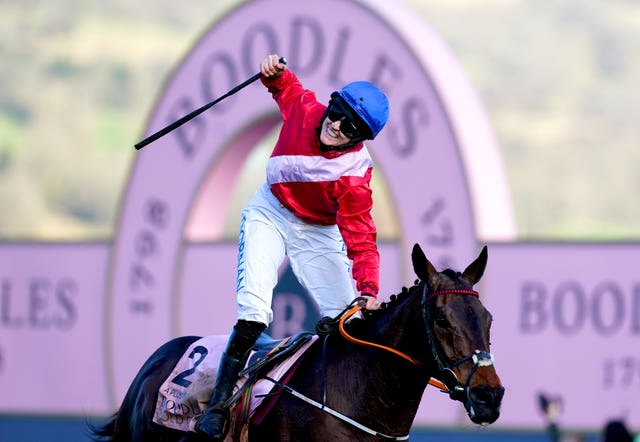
397, 298
370, 317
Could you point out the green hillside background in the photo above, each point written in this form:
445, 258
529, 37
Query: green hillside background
558, 79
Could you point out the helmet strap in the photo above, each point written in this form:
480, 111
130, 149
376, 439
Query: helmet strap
346, 146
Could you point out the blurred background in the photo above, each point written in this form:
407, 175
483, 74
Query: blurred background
79, 78
558, 79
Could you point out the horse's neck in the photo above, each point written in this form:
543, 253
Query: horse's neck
388, 385
384, 382
401, 327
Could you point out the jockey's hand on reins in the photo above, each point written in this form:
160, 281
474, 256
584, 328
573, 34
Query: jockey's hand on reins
327, 325
368, 302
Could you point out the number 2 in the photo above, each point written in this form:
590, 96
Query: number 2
201, 353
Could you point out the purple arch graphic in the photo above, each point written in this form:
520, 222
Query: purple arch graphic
424, 155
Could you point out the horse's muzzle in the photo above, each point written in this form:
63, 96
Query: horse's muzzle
483, 404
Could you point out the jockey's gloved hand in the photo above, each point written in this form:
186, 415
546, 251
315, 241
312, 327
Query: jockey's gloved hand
370, 302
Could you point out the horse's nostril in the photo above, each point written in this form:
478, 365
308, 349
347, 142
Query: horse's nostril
487, 396
484, 404
479, 395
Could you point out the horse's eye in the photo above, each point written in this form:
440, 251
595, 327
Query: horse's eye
441, 320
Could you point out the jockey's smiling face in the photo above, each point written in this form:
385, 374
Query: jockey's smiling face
338, 126
331, 135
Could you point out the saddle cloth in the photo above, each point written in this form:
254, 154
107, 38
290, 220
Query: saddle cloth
186, 392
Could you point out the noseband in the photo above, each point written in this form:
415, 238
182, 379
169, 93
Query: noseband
480, 358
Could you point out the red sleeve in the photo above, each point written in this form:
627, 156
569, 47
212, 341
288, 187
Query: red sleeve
359, 230
287, 90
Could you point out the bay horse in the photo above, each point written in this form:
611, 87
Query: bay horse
365, 378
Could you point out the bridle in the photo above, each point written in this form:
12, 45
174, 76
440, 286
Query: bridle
480, 358
449, 382
454, 388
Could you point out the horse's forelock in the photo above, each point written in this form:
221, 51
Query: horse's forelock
452, 274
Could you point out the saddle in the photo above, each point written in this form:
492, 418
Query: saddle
185, 393
268, 351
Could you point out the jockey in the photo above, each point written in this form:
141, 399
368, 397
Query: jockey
314, 208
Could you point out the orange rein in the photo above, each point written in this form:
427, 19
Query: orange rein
352, 311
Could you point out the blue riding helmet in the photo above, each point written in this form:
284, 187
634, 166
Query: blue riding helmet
368, 102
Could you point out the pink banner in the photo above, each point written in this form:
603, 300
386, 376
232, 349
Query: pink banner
567, 324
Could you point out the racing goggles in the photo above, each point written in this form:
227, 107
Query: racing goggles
348, 127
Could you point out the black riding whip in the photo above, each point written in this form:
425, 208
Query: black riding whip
176, 124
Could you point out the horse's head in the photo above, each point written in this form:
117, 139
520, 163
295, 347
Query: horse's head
458, 327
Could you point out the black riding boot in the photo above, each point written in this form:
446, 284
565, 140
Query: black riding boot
244, 336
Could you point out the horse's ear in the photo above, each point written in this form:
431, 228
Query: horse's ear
421, 264
475, 270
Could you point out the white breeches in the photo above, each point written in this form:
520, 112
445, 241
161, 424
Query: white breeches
268, 233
